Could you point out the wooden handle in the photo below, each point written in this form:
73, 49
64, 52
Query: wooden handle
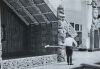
52, 46
47, 46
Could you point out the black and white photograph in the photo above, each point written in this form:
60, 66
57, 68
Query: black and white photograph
49, 34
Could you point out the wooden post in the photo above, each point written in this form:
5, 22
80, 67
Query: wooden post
94, 23
0, 40
99, 37
61, 33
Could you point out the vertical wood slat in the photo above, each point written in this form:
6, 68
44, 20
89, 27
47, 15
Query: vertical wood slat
14, 31
0, 39
43, 34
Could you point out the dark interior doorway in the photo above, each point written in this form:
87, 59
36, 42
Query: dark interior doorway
96, 39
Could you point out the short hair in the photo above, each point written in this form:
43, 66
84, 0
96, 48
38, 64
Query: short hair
69, 35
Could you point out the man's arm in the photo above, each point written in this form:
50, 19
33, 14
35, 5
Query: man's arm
75, 43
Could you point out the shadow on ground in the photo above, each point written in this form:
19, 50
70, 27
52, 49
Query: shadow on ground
98, 63
78, 67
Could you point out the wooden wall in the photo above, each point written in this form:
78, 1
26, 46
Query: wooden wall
43, 34
15, 32
22, 40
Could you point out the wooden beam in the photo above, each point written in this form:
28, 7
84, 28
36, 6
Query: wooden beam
9, 1
27, 12
51, 7
42, 13
54, 21
50, 22
41, 4
16, 12
46, 20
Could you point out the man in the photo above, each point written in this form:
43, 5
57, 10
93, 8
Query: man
68, 43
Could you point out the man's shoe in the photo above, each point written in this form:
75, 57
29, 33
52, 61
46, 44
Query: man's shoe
71, 64
68, 64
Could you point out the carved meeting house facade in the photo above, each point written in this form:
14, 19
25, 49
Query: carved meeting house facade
28, 25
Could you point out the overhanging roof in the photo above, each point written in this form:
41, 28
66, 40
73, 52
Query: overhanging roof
35, 12
32, 11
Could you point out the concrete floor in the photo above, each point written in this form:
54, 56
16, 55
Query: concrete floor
78, 59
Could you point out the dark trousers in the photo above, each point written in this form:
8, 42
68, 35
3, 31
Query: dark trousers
69, 52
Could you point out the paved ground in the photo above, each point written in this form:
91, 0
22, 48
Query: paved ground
78, 58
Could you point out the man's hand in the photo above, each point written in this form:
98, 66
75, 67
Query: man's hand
47, 46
